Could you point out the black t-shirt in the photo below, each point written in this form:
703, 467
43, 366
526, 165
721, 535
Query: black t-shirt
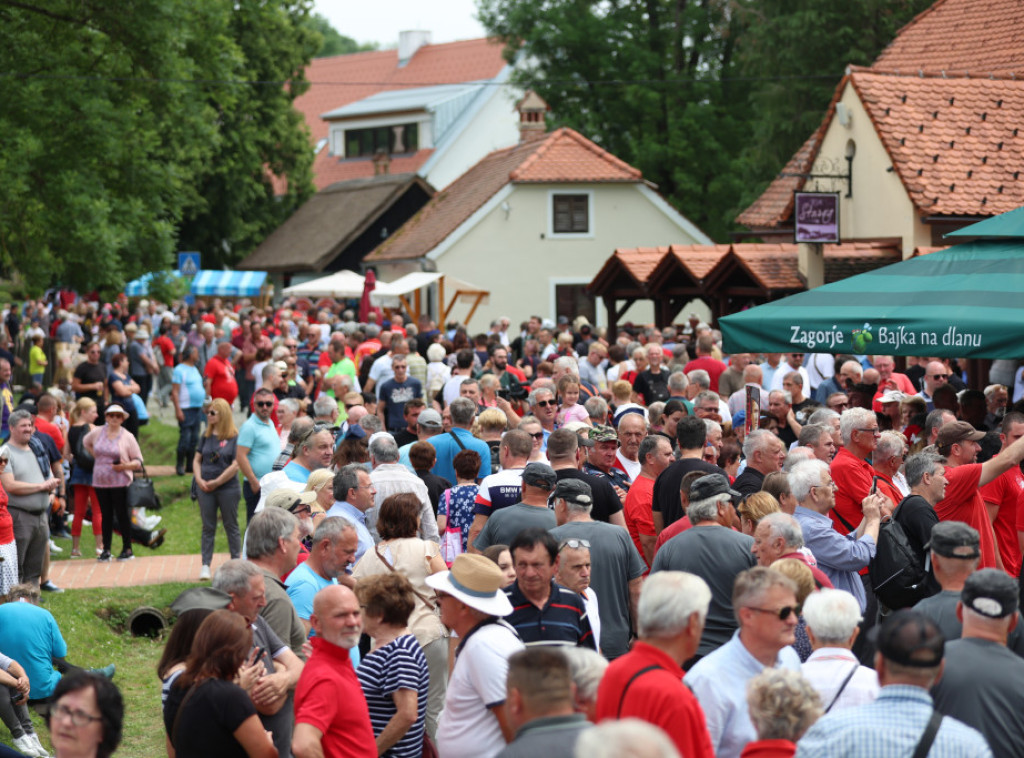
666, 487
750, 481
90, 373
208, 722
404, 437
436, 485
606, 502
653, 387
917, 517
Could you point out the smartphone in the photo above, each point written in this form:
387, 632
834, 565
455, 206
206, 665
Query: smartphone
874, 485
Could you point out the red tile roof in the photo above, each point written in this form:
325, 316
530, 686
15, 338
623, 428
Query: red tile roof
958, 37
331, 169
957, 144
562, 156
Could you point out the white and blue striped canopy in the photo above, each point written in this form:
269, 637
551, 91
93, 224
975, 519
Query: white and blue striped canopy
228, 283
140, 287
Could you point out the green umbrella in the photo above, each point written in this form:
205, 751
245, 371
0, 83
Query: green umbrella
966, 301
1006, 225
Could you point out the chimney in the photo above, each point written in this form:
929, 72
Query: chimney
408, 43
531, 117
381, 163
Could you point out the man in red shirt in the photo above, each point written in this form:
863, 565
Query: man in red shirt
958, 441
851, 472
46, 409
655, 456
888, 379
220, 375
1002, 497
715, 368
647, 682
331, 715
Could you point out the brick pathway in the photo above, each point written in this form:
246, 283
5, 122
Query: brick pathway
84, 573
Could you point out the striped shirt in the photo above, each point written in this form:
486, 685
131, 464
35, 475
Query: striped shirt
399, 665
562, 620
498, 491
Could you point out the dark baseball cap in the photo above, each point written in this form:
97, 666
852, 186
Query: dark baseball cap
957, 431
540, 475
990, 592
955, 539
909, 638
711, 485
574, 491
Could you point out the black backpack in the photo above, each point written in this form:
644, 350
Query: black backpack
898, 572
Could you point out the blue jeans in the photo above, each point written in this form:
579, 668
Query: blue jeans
188, 430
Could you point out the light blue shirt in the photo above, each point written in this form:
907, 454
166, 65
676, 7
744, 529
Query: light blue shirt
891, 725
447, 448
296, 472
347, 511
191, 392
302, 585
263, 442
839, 556
719, 681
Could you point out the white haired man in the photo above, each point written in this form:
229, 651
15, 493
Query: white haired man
765, 454
833, 623
646, 683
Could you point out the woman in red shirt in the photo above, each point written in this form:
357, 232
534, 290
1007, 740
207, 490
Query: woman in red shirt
8, 549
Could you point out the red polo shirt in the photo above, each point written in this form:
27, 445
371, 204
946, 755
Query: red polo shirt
1005, 492
963, 502
658, 697
852, 476
903, 384
637, 511
222, 379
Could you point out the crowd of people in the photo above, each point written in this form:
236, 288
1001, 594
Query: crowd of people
547, 540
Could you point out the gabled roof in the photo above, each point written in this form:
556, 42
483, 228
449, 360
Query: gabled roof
775, 204
564, 156
328, 222
957, 144
960, 37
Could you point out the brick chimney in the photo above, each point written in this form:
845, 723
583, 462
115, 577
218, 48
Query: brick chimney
531, 117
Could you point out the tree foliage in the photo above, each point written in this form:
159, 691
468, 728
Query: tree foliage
697, 94
334, 42
123, 126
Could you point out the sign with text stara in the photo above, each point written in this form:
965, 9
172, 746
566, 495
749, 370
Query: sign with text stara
816, 217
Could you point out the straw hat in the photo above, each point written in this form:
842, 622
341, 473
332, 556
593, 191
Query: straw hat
476, 581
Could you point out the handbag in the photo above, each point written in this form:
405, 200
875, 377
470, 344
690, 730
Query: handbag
142, 493
451, 540
83, 458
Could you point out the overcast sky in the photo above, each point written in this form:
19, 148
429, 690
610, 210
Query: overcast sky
382, 20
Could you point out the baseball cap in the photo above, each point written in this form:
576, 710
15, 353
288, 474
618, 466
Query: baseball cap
574, 491
910, 638
287, 498
957, 431
954, 539
711, 485
990, 592
540, 475
892, 396
206, 598
429, 419
603, 433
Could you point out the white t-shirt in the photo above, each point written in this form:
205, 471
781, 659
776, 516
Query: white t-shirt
593, 616
467, 728
381, 372
632, 468
452, 387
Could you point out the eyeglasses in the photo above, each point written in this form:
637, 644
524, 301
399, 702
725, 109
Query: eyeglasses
78, 718
871, 430
546, 403
291, 347
830, 485
264, 404
574, 543
298, 509
782, 614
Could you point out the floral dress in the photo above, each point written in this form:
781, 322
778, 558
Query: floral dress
457, 505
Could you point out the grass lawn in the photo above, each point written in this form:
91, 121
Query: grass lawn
93, 621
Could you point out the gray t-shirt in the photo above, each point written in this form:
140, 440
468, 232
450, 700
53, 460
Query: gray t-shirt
715, 554
25, 467
981, 686
614, 563
506, 523
941, 609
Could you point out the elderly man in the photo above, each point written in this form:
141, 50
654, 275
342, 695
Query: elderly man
655, 456
780, 407
909, 661
617, 568
474, 722
460, 438
764, 602
652, 384
390, 477
792, 362
765, 454
887, 462
889, 380
592, 368
219, 374
312, 453
543, 611
711, 550
752, 377
631, 431
272, 693
646, 683
958, 441
1001, 497
353, 492
851, 472
565, 454
544, 406
833, 618
996, 397
601, 456
331, 715
980, 683
573, 572
818, 438
272, 544
954, 552
839, 556
334, 549
778, 536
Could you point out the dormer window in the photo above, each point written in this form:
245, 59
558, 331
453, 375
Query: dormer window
394, 140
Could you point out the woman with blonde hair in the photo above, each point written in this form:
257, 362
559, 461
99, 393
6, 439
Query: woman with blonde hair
321, 482
83, 414
801, 575
782, 705
215, 469
755, 507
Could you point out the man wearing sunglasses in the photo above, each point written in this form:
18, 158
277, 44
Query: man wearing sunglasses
935, 375
764, 602
544, 406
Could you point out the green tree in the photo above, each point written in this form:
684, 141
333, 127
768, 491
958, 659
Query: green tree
334, 42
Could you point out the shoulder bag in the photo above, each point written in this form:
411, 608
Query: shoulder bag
142, 493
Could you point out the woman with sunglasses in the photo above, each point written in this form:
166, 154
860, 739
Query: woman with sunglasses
117, 455
216, 471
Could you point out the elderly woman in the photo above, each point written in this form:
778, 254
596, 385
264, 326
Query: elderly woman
287, 412
755, 507
401, 550
394, 676
216, 472
117, 455
783, 705
86, 716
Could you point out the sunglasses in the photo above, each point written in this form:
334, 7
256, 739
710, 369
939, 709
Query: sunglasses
211, 413
782, 613
574, 543
537, 436
939, 376
546, 403
264, 404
